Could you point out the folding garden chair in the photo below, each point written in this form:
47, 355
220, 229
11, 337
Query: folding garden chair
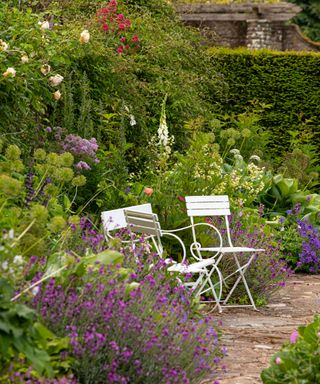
115, 219
148, 224
200, 206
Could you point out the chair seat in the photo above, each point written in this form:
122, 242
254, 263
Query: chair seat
232, 249
192, 268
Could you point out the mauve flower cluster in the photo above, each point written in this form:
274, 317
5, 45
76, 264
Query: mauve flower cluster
309, 257
83, 149
138, 329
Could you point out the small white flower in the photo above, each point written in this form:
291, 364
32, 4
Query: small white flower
5, 265
11, 234
84, 37
3, 45
235, 151
24, 59
55, 80
35, 290
45, 69
132, 120
44, 25
57, 95
18, 260
9, 72
255, 157
238, 157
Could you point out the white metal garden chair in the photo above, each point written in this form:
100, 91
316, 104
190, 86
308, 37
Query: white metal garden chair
148, 224
115, 219
208, 206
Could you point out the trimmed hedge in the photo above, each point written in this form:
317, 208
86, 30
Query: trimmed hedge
289, 82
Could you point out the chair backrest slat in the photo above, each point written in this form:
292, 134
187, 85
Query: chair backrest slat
209, 212
141, 222
115, 219
202, 199
208, 205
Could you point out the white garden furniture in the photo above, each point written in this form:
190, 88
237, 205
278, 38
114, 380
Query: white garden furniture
115, 219
148, 224
208, 206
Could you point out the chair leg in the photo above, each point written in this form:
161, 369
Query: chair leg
241, 270
212, 288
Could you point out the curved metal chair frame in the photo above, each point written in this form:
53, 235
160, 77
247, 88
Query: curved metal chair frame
208, 206
148, 224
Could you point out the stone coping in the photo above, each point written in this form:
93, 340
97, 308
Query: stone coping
238, 12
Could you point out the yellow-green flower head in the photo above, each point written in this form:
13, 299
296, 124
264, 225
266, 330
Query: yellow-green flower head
79, 181
66, 159
39, 213
51, 190
9, 187
54, 159
13, 152
40, 169
63, 175
231, 141
17, 166
57, 224
40, 154
75, 219
246, 133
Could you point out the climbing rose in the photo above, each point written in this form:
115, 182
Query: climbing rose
84, 37
24, 59
135, 39
44, 25
9, 72
55, 80
57, 95
3, 45
45, 69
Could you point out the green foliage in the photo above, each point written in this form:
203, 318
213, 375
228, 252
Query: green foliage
297, 362
309, 18
23, 336
286, 82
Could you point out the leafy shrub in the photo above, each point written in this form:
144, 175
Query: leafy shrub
297, 362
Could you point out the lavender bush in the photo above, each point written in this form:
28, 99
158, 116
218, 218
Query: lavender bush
138, 329
268, 270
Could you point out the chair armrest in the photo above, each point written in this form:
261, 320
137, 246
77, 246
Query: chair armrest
170, 232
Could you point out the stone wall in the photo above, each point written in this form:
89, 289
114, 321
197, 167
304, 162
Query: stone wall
248, 25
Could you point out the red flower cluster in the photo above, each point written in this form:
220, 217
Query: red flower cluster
116, 23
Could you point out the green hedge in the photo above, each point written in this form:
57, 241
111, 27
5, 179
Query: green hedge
288, 82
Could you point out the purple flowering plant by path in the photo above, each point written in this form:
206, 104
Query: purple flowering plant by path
300, 240
130, 325
268, 271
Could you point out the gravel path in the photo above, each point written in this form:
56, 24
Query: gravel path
253, 337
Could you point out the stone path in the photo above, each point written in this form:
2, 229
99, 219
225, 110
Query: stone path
253, 337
